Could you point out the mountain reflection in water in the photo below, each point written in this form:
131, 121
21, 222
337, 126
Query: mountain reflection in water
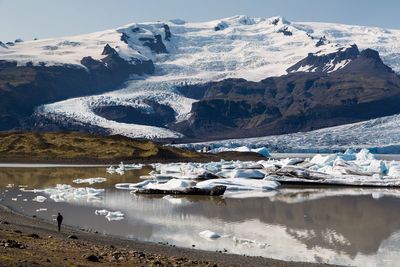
341, 225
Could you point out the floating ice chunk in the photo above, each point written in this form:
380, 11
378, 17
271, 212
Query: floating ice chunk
377, 166
291, 161
324, 160
262, 151
349, 151
251, 174
115, 216
209, 235
238, 184
377, 176
364, 155
173, 184
67, 193
101, 212
133, 166
248, 242
41, 209
111, 170
110, 215
39, 199
130, 186
31, 190
394, 171
90, 180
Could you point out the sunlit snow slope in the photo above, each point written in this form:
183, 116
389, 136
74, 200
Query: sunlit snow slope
250, 48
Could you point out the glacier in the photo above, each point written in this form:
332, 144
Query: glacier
381, 136
242, 47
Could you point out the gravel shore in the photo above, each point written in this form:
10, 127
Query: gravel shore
26, 241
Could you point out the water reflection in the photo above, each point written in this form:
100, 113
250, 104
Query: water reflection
337, 225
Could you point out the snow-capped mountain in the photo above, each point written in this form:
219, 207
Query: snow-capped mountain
185, 53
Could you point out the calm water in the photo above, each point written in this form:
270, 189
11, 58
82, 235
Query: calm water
349, 226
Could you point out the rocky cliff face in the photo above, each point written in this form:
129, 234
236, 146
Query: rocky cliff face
22, 88
362, 89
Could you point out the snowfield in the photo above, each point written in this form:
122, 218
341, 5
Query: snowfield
235, 47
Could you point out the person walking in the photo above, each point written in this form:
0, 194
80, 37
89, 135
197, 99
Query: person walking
59, 221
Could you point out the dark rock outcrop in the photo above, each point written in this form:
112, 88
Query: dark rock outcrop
155, 44
160, 115
22, 88
285, 30
167, 32
3, 45
218, 190
326, 62
321, 41
364, 89
221, 26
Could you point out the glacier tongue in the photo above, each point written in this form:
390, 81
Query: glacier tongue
338, 138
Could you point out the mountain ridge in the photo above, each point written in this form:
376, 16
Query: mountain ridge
185, 53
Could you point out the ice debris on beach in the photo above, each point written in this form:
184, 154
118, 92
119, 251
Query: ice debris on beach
89, 180
111, 215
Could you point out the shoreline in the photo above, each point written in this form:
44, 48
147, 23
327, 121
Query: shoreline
51, 248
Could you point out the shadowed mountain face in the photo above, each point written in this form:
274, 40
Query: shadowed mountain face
22, 88
361, 88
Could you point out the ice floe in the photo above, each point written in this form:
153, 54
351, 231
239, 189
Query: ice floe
111, 215
122, 168
89, 180
67, 193
261, 178
209, 235
39, 199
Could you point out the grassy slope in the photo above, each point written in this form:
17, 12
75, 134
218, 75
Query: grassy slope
72, 147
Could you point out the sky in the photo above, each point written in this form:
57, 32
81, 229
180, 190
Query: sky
28, 19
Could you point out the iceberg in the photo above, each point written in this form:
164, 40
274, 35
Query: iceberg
111, 215
252, 174
67, 193
39, 199
209, 235
90, 180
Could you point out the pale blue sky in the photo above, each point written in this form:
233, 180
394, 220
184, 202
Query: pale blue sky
50, 18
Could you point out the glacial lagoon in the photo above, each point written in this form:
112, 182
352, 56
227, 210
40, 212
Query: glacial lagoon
332, 224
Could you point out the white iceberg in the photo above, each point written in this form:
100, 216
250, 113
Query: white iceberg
90, 180
209, 235
251, 174
110, 215
39, 199
115, 216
